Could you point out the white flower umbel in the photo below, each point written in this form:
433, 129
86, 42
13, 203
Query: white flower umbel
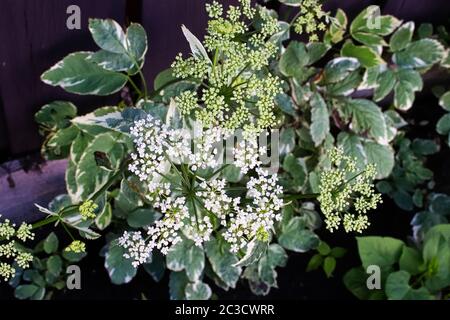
167, 162
137, 248
247, 154
257, 218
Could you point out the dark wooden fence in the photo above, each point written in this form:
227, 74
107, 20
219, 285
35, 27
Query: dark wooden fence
33, 36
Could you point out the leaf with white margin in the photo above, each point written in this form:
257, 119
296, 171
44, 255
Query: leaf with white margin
255, 250
108, 35
119, 268
196, 46
198, 291
185, 255
76, 74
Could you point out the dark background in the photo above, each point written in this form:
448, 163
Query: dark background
33, 37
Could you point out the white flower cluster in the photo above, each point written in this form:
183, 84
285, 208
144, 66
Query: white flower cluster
247, 154
215, 198
137, 248
189, 205
156, 143
256, 219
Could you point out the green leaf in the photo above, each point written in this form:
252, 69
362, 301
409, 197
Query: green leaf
292, 3
339, 68
56, 115
369, 21
329, 264
223, 262
425, 30
76, 74
104, 217
315, 262
338, 26
157, 267
89, 176
196, 46
367, 116
382, 156
345, 87
142, 217
284, 102
365, 55
108, 35
402, 37
63, 137
111, 61
424, 147
39, 294
411, 76
323, 248
276, 256
287, 141
54, 265
385, 84
410, 261
25, 291
119, 268
443, 125
403, 200
352, 145
185, 255
72, 256
338, 252
355, 281
404, 96
316, 51
255, 250
296, 238
295, 167
293, 59
177, 285
444, 101
369, 39
137, 39
51, 243
420, 54
198, 291
163, 79
381, 251
439, 203
320, 119
398, 288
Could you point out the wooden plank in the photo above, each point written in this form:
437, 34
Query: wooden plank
33, 37
434, 11
162, 20
17, 203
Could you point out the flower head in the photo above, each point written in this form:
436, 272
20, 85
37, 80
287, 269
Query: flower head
311, 19
76, 246
343, 188
10, 250
238, 90
87, 209
167, 161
